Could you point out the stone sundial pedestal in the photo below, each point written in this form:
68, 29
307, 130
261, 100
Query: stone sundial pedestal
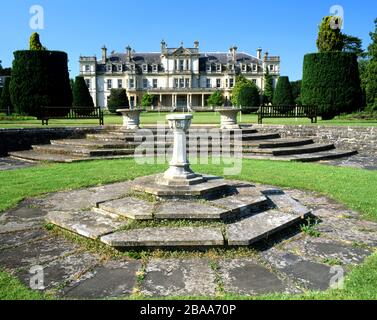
131, 118
179, 173
229, 118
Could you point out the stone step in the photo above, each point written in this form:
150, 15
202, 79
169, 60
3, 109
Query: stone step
278, 143
32, 155
321, 156
316, 147
91, 144
185, 237
260, 136
89, 224
259, 226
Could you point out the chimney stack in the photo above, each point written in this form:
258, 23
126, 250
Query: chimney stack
259, 53
129, 53
104, 54
234, 54
196, 44
266, 56
163, 45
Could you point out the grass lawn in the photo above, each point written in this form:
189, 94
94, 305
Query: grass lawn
199, 118
356, 188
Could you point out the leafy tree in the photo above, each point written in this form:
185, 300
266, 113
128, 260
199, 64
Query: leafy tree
296, 91
82, 97
353, 44
117, 100
240, 81
216, 99
5, 101
245, 94
35, 43
330, 37
371, 72
147, 100
40, 78
283, 93
268, 94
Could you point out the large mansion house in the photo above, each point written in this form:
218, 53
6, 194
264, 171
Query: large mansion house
177, 77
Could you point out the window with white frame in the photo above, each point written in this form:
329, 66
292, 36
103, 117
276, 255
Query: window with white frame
155, 83
218, 67
132, 83
120, 69
209, 67
181, 83
231, 67
271, 67
155, 68
244, 67
187, 64
109, 84
218, 83
208, 84
181, 65
109, 68
175, 83
187, 83
231, 82
145, 68
254, 81
120, 83
145, 83
132, 67
87, 68
254, 67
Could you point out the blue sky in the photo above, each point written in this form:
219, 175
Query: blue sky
81, 27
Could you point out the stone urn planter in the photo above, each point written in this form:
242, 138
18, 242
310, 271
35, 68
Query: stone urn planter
131, 118
229, 118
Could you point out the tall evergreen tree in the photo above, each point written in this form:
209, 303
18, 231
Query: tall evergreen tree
82, 97
330, 37
268, 94
283, 93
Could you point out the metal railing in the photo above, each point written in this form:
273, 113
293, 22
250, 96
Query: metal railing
310, 112
71, 113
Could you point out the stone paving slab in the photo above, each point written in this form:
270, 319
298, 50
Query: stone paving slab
85, 198
189, 210
166, 237
308, 274
113, 279
13, 164
16, 225
176, 277
36, 253
59, 272
285, 202
89, 224
321, 249
261, 225
21, 237
130, 207
245, 276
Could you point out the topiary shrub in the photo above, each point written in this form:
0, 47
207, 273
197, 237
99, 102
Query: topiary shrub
82, 97
117, 100
248, 97
40, 78
283, 93
331, 81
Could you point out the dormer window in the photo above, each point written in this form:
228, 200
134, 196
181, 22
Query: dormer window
254, 67
145, 68
132, 67
155, 68
218, 67
120, 69
231, 67
109, 68
209, 67
271, 67
244, 67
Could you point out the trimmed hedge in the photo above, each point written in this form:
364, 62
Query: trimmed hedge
5, 101
40, 78
283, 93
331, 81
82, 97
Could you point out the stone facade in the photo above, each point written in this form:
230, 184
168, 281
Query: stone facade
363, 139
178, 77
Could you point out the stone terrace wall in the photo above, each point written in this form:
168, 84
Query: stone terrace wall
23, 139
362, 139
